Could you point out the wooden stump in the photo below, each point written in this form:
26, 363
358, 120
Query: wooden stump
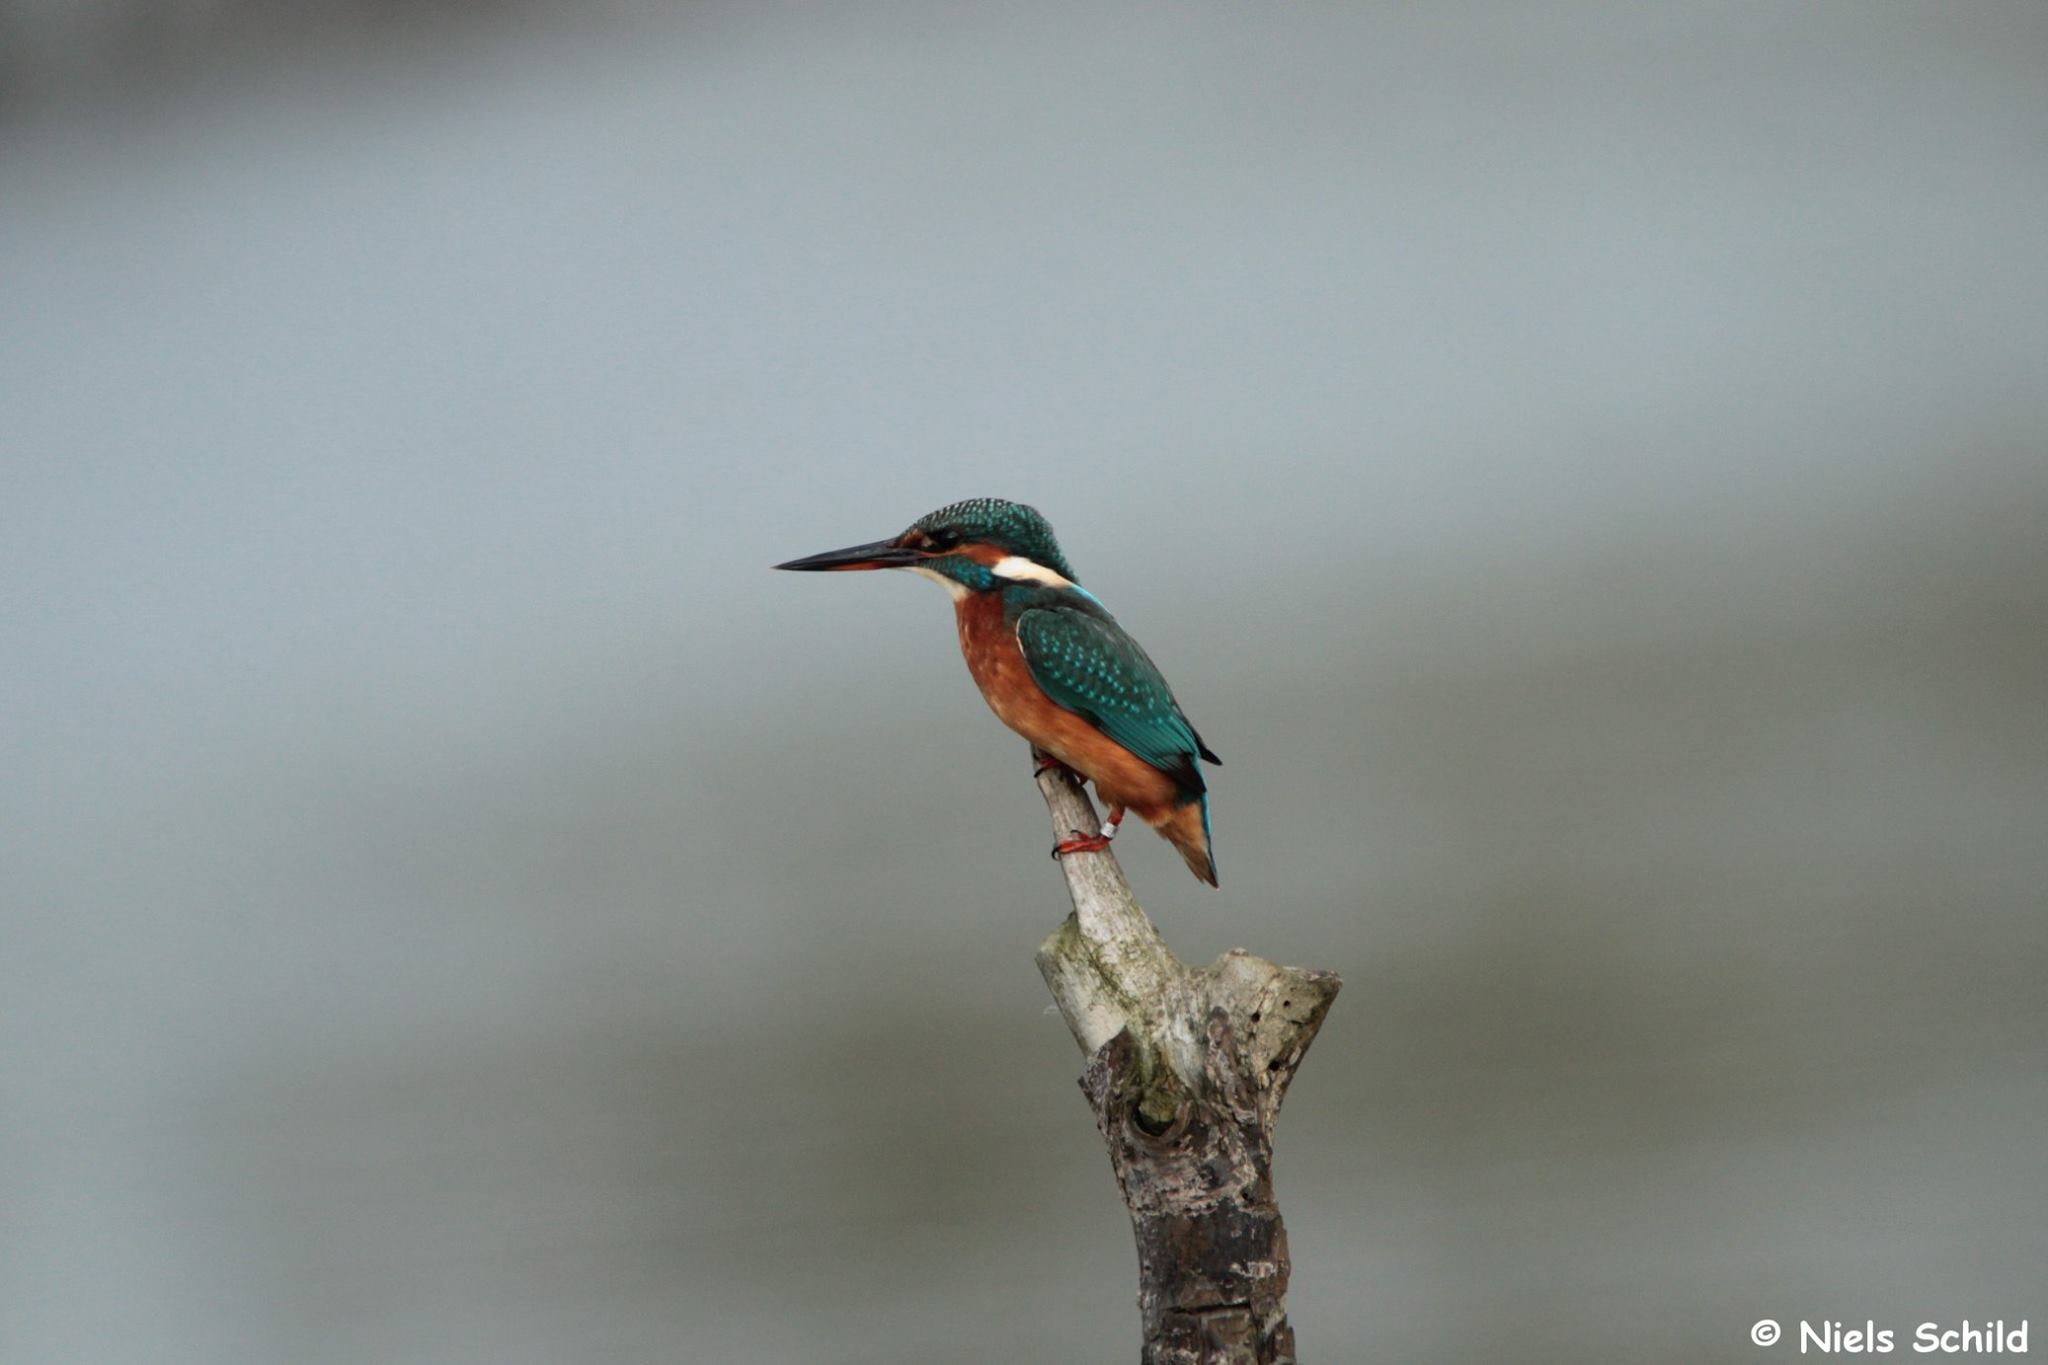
1186, 1070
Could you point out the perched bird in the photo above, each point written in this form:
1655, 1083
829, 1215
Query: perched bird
1055, 666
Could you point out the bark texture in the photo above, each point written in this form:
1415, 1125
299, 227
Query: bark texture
1186, 1070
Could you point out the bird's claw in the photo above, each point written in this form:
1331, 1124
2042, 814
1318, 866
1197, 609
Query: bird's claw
1080, 843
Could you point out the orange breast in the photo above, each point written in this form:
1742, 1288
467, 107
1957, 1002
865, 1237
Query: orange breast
998, 666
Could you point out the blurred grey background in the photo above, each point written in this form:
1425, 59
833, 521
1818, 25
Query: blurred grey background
1582, 466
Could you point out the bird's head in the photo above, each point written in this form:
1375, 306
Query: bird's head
975, 546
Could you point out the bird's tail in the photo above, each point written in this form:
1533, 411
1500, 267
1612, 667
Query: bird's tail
1186, 827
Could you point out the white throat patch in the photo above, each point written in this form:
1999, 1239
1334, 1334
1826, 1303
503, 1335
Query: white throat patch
1018, 569
953, 586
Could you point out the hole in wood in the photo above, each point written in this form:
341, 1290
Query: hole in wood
1150, 1126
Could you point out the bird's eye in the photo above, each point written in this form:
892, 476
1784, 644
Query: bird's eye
945, 538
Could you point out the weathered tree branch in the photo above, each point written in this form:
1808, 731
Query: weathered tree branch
1186, 1071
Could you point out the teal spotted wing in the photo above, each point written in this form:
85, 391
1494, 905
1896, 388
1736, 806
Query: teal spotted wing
1087, 665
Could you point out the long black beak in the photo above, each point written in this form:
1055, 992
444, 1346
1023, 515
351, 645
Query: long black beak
881, 554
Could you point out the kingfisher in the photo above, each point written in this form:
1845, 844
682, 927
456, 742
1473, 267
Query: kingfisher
1055, 666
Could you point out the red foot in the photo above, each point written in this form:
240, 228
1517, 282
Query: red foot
1092, 843
1043, 763
1081, 843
